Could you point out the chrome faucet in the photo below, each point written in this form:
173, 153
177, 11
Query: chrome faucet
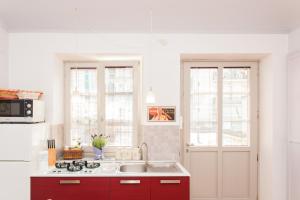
144, 155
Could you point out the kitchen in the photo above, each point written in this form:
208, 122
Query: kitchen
34, 57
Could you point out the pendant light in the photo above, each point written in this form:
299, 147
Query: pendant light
76, 18
150, 98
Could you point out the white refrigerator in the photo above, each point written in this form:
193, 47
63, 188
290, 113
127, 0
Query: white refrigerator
23, 150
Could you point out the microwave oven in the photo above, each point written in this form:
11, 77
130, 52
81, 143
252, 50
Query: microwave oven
22, 111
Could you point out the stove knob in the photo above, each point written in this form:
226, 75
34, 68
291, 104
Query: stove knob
29, 105
28, 112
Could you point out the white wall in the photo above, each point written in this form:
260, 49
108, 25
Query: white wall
34, 65
273, 127
3, 56
279, 128
266, 128
294, 126
294, 41
293, 115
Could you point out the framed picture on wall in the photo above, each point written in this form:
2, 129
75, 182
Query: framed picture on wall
161, 113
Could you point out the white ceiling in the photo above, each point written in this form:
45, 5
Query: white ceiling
169, 16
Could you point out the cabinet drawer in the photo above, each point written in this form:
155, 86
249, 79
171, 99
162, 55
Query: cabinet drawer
130, 188
170, 188
70, 181
69, 188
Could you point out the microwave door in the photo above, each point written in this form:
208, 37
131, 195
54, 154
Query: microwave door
11, 109
5, 109
16, 110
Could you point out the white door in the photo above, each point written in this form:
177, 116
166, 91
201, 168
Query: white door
220, 129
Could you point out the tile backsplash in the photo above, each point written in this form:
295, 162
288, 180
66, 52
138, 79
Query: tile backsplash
163, 141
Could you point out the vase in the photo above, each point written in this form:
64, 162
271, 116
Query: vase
98, 153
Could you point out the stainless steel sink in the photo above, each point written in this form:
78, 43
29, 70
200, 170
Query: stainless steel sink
156, 168
133, 168
165, 168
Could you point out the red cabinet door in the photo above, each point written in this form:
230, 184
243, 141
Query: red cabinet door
69, 188
170, 188
130, 188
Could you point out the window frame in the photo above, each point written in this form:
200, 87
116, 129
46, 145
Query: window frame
100, 67
220, 65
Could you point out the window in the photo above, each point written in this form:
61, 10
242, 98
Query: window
219, 104
102, 97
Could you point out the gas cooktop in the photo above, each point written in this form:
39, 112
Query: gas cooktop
75, 167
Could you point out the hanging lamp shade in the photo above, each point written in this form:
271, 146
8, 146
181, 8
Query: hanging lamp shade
150, 99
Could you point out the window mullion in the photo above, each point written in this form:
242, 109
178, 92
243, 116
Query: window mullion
220, 105
101, 99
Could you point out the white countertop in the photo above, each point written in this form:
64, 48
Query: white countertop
111, 169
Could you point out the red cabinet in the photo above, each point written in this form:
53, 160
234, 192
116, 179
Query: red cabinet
69, 188
98, 188
170, 188
130, 188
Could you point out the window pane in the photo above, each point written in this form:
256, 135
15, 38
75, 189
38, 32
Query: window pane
119, 105
118, 80
236, 107
83, 104
203, 106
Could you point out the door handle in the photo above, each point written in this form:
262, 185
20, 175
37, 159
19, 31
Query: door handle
187, 147
69, 182
189, 144
169, 181
129, 182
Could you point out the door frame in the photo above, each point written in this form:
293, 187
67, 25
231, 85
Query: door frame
184, 127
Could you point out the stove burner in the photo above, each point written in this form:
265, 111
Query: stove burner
91, 165
74, 168
61, 165
79, 163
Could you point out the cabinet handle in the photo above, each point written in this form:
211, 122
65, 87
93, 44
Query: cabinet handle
130, 182
69, 182
169, 181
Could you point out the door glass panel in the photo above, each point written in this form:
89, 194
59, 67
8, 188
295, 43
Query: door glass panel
203, 106
236, 107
